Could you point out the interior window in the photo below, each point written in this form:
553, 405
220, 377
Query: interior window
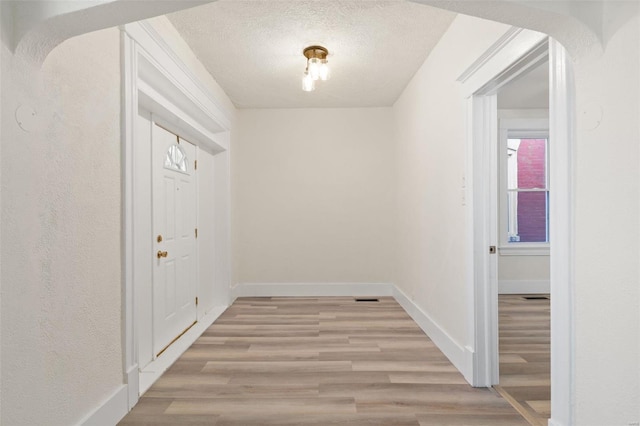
527, 190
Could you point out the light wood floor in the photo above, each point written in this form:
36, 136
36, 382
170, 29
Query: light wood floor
317, 361
525, 379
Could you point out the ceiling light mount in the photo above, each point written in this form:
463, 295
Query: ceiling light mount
317, 67
318, 52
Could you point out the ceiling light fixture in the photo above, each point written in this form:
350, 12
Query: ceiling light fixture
317, 67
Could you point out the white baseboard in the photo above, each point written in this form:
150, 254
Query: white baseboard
155, 369
555, 423
469, 361
311, 289
111, 411
524, 287
457, 354
133, 385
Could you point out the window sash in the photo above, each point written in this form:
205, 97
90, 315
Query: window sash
520, 129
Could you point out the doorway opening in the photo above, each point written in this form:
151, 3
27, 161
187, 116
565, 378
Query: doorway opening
524, 243
526, 51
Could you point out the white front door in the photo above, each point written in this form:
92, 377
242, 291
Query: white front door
174, 226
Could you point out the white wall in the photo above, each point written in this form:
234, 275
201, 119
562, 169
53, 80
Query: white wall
313, 196
523, 268
518, 274
607, 277
60, 249
430, 141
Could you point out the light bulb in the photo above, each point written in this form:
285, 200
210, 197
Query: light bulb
324, 70
308, 85
314, 68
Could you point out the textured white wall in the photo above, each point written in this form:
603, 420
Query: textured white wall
313, 195
607, 292
60, 249
430, 139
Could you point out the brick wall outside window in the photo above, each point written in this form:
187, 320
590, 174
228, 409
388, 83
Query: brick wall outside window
532, 206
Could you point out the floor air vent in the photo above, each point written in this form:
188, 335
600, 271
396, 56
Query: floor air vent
367, 300
535, 297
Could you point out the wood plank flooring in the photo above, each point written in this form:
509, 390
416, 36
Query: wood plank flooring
525, 378
317, 361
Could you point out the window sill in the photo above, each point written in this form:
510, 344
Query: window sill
525, 250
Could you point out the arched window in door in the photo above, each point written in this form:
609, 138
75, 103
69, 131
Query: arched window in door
176, 159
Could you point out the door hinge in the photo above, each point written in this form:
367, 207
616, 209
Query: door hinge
196, 232
196, 301
195, 165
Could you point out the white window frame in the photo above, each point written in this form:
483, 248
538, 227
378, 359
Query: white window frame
511, 129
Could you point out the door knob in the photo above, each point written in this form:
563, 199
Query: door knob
162, 254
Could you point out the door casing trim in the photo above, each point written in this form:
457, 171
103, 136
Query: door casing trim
520, 51
154, 77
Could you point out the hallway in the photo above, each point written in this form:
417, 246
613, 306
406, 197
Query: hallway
317, 361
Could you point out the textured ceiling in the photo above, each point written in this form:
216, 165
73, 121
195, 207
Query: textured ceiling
254, 48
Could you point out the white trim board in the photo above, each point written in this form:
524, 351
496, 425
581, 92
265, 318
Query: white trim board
492, 51
524, 286
114, 408
154, 76
311, 289
450, 348
521, 52
503, 60
111, 411
562, 260
157, 367
525, 50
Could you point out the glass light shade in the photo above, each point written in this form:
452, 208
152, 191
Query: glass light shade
314, 68
308, 85
325, 72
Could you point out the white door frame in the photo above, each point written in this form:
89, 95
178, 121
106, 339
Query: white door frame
154, 78
512, 55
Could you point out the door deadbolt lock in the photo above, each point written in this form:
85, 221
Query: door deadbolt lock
162, 254
159, 239
492, 249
